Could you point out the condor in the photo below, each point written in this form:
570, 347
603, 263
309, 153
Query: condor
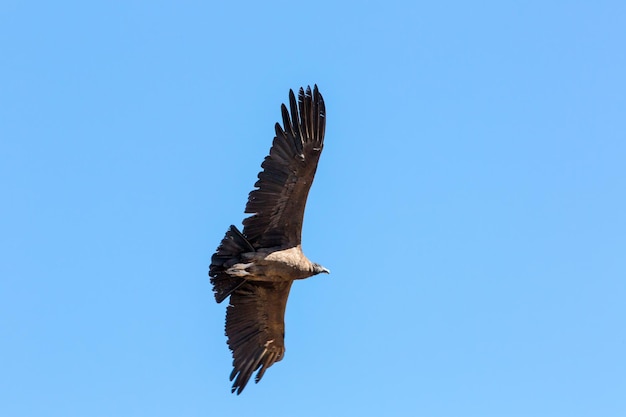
256, 267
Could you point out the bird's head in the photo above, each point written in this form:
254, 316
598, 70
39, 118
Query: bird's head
318, 269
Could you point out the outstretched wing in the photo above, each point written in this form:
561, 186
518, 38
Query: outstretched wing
278, 201
255, 326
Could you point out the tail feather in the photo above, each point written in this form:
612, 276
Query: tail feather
227, 254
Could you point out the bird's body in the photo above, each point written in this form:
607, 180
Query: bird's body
274, 265
256, 267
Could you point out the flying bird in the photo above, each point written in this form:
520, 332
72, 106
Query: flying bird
256, 267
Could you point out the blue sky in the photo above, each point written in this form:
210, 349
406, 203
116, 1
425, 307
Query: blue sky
469, 202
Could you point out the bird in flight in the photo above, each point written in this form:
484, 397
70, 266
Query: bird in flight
256, 267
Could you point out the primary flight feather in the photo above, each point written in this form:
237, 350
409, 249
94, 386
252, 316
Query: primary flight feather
256, 267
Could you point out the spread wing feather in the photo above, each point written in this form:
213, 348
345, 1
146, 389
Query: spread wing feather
277, 204
255, 327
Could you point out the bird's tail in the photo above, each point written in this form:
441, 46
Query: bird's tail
228, 254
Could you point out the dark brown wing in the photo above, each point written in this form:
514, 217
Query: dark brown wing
255, 326
283, 186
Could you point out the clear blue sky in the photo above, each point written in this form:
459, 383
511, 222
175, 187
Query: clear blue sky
470, 203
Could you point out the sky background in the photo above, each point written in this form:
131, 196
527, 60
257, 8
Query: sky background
470, 203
